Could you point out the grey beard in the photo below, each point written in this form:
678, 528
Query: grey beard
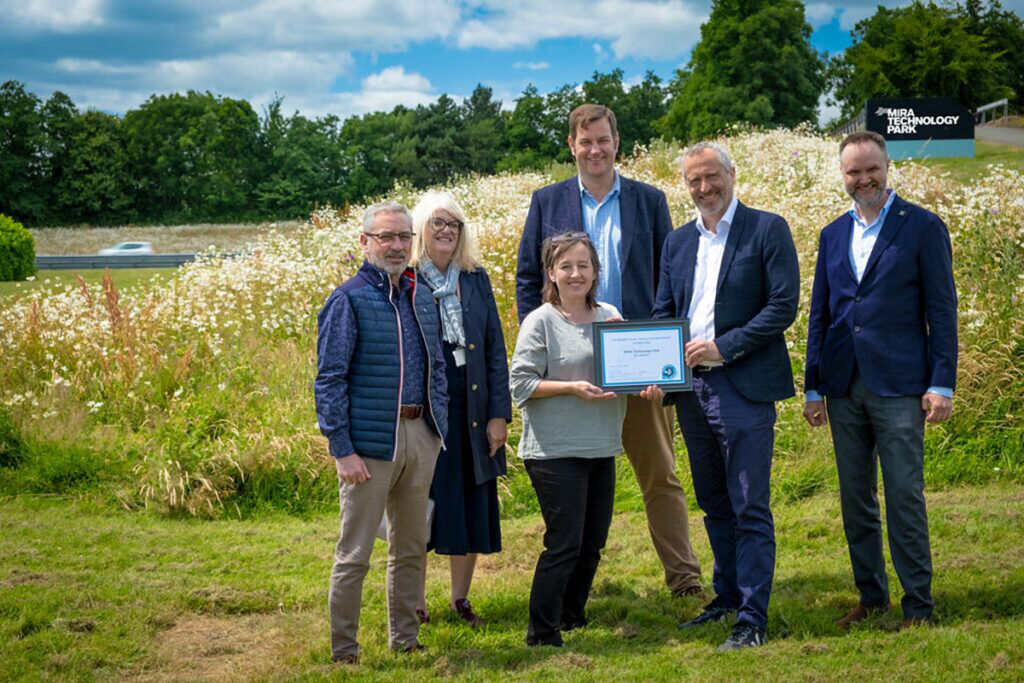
387, 267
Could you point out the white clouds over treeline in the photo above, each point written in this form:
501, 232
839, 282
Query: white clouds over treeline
112, 54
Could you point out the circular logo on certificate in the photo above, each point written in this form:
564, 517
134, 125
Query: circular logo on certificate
668, 372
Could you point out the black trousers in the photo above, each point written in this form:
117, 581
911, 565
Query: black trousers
576, 497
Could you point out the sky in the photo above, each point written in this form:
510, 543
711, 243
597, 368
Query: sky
348, 57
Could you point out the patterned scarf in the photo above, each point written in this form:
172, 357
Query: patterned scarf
444, 286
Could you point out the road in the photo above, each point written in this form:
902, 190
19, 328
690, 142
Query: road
1004, 135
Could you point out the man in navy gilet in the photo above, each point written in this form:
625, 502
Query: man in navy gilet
382, 402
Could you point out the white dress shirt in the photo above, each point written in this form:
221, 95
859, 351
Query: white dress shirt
710, 248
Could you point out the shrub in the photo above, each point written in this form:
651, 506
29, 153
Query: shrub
17, 250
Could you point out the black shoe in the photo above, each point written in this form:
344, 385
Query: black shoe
414, 646
709, 615
553, 641
743, 635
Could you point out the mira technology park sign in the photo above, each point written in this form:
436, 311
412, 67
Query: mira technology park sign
922, 128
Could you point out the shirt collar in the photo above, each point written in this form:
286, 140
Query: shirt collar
584, 192
881, 214
724, 224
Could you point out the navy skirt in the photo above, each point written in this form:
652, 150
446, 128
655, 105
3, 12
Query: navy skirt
465, 515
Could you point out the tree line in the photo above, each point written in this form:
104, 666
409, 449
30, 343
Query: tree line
199, 156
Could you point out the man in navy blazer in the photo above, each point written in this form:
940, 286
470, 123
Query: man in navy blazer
733, 272
882, 349
627, 221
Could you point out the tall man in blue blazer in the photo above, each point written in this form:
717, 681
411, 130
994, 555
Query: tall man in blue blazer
734, 273
882, 349
627, 221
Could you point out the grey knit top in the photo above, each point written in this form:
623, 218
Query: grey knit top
551, 346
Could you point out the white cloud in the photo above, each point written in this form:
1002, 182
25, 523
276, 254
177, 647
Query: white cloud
636, 28
849, 16
60, 16
329, 24
531, 66
394, 78
234, 75
819, 13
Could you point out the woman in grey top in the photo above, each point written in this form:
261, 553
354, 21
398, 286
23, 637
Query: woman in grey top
572, 430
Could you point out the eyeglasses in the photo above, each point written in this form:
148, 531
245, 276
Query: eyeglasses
439, 224
389, 237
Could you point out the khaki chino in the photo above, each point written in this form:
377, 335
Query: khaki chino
647, 436
398, 488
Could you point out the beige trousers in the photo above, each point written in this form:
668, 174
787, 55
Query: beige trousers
647, 436
400, 489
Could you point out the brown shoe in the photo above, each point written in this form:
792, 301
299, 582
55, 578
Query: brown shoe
689, 592
347, 659
913, 622
859, 613
466, 613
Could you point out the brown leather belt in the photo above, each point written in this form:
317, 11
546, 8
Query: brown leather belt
411, 412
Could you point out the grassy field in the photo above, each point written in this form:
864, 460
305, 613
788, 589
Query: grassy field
966, 170
167, 239
123, 278
87, 593
167, 504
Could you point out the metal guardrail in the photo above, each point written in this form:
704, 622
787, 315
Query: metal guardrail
858, 122
981, 114
126, 261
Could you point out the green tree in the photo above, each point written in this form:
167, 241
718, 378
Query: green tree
484, 130
194, 156
24, 181
305, 164
1005, 32
94, 185
754, 63
922, 50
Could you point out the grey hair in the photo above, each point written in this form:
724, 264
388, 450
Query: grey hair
704, 145
370, 215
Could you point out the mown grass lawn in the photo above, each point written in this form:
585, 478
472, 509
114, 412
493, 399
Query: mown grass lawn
122, 277
88, 593
968, 169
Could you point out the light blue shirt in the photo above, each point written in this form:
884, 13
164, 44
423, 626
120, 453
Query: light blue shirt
603, 224
862, 241
864, 235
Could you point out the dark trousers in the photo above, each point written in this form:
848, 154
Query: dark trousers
576, 496
866, 429
729, 440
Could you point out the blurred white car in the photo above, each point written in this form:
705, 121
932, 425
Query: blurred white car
127, 249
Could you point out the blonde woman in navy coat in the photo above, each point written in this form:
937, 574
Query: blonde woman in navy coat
464, 489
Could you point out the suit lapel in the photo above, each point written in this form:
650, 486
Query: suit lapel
689, 257
573, 202
739, 221
893, 222
844, 248
627, 215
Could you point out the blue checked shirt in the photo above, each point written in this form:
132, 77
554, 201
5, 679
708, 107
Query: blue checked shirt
603, 225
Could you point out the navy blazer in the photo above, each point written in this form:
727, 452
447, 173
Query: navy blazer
487, 393
756, 299
897, 326
557, 208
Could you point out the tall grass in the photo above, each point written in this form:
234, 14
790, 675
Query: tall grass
197, 391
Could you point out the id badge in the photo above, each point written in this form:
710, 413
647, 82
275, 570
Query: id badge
459, 355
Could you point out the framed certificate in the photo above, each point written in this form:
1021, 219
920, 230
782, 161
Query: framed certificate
631, 355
